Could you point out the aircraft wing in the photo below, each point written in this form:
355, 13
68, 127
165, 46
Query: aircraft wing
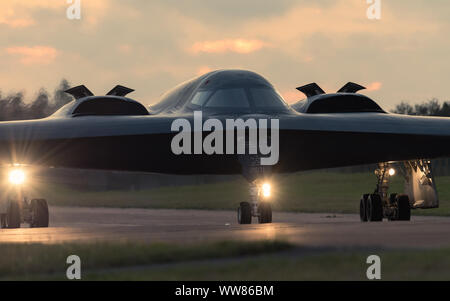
333, 140
143, 143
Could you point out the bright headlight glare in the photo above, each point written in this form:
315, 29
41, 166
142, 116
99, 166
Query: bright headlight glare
266, 190
391, 171
17, 176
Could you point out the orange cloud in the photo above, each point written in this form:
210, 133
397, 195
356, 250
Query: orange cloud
16, 23
20, 13
292, 96
12, 18
124, 48
375, 86
34, 55
203, 70
242, 46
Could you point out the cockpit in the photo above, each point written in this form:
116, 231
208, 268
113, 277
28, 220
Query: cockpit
238, 99
223, 92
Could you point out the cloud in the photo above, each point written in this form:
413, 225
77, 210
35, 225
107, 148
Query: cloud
34, 55
292, 96
17, 13
94, 12
242, 46
203, 70
165, 42
22, 13
337, 22
11, 20
124, 48
9, 16
375, 86
16, 23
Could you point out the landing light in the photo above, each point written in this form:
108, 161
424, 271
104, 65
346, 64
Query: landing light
391, 171
16, 176
266, 190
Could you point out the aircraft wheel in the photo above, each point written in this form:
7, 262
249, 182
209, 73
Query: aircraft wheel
265, 213
404, 209
374, 208
363, 208
2, 221
244, 213
39, 213
393, 201
13, 215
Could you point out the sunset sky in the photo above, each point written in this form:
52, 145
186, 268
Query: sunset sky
153, 45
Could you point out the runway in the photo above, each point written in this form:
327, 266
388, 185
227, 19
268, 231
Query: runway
75, 224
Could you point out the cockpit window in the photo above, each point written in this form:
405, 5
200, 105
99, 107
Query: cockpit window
257, 99
230, 98
109, 107
266, 98
201, 97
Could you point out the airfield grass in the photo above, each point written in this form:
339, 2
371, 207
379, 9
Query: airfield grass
260, 260
433, 265
34, 260
301, 192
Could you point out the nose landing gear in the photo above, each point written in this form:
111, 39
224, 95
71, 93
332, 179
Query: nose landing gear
245, 213
258, 207
264, 213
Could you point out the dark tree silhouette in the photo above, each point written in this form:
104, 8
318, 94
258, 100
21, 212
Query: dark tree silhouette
13, 106
61, 98
429, 108
39, 108
404, 108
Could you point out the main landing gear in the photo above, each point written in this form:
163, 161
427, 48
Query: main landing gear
34, 212
259, 206
378, 205
15, 207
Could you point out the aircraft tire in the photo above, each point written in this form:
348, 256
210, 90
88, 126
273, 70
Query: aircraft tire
404, 208
374, 208
39, 209
13, 215
2, 221
363, 208
244, 214
265, 213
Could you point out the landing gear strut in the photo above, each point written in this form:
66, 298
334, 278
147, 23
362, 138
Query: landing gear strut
34, 212
258, 207
16, 208
378, 205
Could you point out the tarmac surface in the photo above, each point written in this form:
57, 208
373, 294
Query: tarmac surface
77, 224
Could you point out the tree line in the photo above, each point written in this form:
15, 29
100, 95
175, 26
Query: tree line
14, 107
430, 108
